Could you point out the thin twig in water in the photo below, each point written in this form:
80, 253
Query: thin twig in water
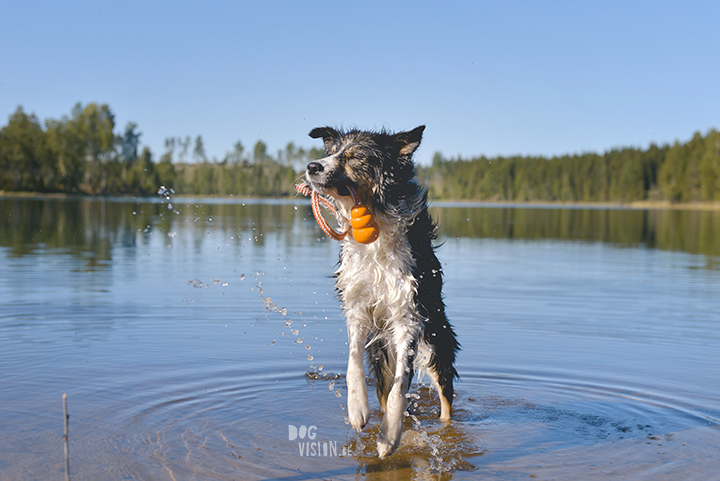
65, 438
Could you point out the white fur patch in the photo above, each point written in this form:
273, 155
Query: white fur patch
376, 281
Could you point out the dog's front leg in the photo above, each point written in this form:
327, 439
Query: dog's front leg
392, 424
358, 407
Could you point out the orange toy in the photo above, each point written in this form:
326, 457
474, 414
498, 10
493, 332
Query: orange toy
364, 228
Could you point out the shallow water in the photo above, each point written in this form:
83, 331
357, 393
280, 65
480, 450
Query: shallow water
190, 338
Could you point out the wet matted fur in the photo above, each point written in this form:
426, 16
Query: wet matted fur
391, 289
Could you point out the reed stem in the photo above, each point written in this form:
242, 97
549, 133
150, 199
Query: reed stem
65, 438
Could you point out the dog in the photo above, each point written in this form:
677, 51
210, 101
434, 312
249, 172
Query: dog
390, 289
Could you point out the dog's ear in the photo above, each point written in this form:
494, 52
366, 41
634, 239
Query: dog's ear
328, 134
408, 142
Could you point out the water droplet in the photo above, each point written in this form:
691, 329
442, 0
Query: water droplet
310, 357
338, 393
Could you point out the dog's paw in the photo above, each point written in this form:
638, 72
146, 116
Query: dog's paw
386, 446
359, 414
389, 437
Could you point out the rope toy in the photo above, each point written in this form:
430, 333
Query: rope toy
364, 228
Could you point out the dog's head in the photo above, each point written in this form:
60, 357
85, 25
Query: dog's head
378, 165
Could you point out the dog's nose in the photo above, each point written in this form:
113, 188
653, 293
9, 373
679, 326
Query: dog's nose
314, 168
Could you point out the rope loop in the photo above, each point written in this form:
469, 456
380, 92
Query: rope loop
316, 199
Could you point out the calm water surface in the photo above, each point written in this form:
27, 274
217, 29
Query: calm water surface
189, 336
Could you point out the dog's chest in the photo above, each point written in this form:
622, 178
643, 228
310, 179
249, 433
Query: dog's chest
375, 281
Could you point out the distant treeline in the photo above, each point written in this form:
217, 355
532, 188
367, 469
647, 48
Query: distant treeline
82, 153
687, 172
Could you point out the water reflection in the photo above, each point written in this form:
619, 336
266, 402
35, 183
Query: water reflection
694, 232
90, 228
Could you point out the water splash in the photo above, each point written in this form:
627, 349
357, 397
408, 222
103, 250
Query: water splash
270, 306
431, 448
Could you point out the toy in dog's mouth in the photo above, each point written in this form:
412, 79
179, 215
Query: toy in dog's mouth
365, 229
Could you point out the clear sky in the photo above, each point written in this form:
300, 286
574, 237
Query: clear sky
492, 78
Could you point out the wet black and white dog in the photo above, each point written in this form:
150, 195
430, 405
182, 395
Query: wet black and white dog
391, 288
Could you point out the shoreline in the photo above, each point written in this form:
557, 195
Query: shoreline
634, 205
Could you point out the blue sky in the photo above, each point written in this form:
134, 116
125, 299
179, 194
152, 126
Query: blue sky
487, 78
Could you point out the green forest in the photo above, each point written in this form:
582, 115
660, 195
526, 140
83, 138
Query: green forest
682, 172
84, 153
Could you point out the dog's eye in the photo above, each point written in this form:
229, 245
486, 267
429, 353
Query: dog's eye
346, 158
353, 156
350, 153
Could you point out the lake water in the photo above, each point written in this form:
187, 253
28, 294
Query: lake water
190, 334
